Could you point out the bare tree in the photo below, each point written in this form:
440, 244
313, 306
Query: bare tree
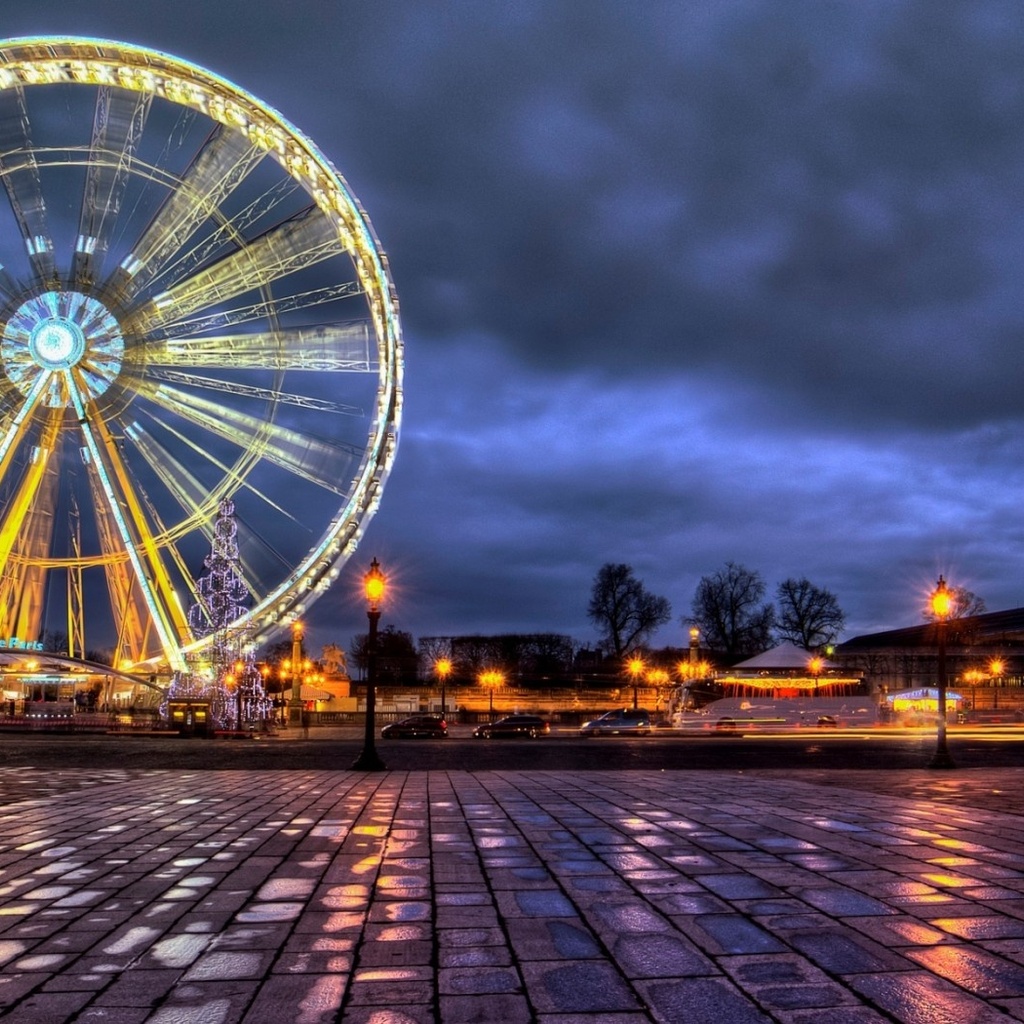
728, 611
808, 616
622, 608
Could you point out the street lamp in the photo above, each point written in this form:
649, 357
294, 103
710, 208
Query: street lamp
443, 669
658, 678
996, 667
491, 678
635, 667
942, 605
373, 587
816, 666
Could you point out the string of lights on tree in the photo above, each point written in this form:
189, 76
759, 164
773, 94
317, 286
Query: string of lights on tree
227, 677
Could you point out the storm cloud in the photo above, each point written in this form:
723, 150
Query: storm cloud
680, 284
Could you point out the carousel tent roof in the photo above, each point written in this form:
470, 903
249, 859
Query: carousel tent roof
786, 656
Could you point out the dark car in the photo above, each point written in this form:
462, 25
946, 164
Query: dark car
416, 727
530, 726
624, 721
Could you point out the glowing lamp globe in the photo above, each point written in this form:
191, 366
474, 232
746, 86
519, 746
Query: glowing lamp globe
374, 584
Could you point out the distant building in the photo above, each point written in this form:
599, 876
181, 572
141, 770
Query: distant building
984, 657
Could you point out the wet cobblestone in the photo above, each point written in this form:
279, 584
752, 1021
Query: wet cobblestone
237, 897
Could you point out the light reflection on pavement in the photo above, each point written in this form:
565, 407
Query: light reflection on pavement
512, 896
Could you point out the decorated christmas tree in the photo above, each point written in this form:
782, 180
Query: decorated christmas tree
225, 673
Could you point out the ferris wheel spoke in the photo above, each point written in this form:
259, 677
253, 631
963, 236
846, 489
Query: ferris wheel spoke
190, 493
163, 459
224, 237
20, 174
21, 420
221, 165
117, 127
187, 327
298, 243
346, 347
320, 462
231, 387
133, 529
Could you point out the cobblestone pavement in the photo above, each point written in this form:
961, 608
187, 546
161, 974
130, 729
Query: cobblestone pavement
615, 896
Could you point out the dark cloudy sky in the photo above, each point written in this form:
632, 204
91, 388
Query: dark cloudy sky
681, 283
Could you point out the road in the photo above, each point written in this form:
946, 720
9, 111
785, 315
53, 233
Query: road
337, 748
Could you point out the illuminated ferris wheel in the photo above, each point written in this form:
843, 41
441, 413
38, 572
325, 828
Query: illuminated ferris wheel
194, 307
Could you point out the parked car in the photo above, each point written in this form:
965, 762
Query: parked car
625, 721
511, 726
416, 727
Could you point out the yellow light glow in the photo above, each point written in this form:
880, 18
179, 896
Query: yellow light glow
996, 667
635, 666
942, 601
374, 584
443, 667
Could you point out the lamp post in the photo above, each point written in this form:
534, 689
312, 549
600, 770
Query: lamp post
942, 605
491, 678
658, 678
635, 667
443, 669
239, 667
373, 586
816, 665
995, 670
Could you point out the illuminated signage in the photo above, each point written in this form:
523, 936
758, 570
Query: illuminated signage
14, 644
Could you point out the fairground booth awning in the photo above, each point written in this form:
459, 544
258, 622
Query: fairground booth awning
924, 698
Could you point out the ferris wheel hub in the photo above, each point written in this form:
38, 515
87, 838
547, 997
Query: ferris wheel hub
62, 330
57, 343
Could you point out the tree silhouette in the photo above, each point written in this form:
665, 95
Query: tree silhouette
807, 616
624, 611
728, 611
